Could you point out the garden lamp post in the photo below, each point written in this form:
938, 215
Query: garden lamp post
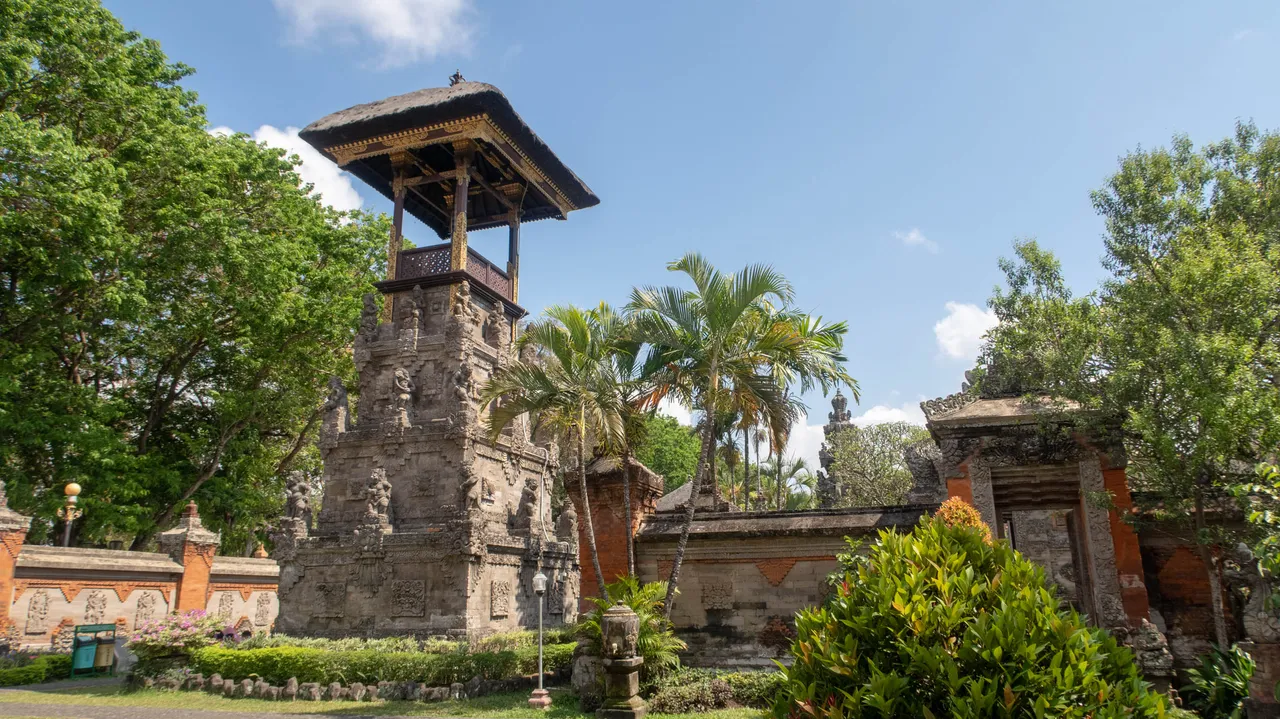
539, 698
69, 512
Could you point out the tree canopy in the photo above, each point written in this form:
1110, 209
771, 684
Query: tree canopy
869, 465
171, 302
1180, 345
668, 448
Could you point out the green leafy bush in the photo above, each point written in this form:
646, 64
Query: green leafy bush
308, 664
700, 696
657, 642
940, 623
1218, 688
42, 667
751, 689
354, 644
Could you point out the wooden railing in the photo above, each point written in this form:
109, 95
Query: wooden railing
434, 260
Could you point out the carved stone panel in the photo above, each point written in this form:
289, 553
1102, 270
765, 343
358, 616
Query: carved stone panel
226, 606
408, 598
95, 607
331, 599
262, 616
38, 613
717, 595
499, 599
146, 609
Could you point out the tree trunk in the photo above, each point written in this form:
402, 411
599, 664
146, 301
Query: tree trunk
704, 467
777, 468
586, 507
1210, 559
626, 509
761, 502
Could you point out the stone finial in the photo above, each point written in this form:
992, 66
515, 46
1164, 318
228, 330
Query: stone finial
337, 410
260, 552
190, 530
369, 317
840, 408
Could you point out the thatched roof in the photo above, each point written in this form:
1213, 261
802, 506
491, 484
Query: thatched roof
441, 104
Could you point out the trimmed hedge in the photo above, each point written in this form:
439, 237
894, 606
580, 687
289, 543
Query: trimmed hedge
46, 667
276, 665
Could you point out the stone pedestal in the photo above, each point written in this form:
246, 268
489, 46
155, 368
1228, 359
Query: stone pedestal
1262, 703
540, 699
620, 631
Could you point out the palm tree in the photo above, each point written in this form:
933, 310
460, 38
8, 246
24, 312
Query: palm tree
575, 388
715, 347
785, 476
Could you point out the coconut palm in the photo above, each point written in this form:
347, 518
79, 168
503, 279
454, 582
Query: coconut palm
791, 482
715, 348
575, 389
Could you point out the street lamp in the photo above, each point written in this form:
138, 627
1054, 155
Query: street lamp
69, 512
539, 699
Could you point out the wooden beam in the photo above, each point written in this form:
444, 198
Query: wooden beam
475, 175
430, 179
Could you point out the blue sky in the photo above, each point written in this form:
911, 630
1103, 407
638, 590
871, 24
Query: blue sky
882, 155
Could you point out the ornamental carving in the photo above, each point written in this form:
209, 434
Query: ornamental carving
262, 616
95, 607
936, 408
38, 613
332, 598
146, 608
408, 598
499, 599
226, 605
717, 595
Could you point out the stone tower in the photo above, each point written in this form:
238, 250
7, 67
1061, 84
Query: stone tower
429, 526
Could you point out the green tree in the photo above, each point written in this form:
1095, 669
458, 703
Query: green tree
670, 449
791, 483
1180, 346
573, 389
714, 348
868, 462
171, 303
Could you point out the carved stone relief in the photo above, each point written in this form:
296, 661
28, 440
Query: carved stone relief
226, 606
499, 599
38, 613
146, 608
717, 595
262, 616
332, 598
408, 598
95, 607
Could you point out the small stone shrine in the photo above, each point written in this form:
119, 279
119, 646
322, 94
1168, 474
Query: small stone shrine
428, 527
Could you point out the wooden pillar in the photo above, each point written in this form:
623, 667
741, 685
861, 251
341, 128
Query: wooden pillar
513, 255
462, 164
399, 162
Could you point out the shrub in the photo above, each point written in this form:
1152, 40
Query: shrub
351, 644
657, 642
749, 688
173, 634
308, 664
700, 696
941, 623
41, 668
956, 512
1218, 688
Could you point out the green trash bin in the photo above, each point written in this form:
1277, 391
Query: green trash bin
90, 648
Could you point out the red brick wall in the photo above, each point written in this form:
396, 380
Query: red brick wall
609, 520
1133, 590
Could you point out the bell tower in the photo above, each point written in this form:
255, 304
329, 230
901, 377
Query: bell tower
428, 526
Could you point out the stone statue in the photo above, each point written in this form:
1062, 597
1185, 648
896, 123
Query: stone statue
469, 489
462, 308
527, 512
298, 502
463, 384
369, 317
377, 498
337, 412
495, 326
419, 297
567, 525
401, 393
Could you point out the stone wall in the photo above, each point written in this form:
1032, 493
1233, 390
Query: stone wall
56, 588
746, 574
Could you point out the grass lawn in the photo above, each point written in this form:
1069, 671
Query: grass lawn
496, 706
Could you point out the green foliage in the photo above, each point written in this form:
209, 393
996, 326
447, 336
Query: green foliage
668, 448
700, 696
941, 623
1261, 500
307, 664
868, 464
1218, 687
750, 688
171, 303
350, 644
657, 642
41, 668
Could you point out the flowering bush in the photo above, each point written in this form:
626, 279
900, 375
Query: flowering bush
174, 635
956, 512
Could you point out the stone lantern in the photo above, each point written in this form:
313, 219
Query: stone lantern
620, 630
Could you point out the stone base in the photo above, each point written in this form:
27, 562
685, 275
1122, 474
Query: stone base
540, 699
632, 708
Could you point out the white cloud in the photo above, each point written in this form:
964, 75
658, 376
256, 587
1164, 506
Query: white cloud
882, 413
328, 181
960, 333
674, 409
1242, 35
915, 238
407, 31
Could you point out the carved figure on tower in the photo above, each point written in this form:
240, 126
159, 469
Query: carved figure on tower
369, 317
337, 412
